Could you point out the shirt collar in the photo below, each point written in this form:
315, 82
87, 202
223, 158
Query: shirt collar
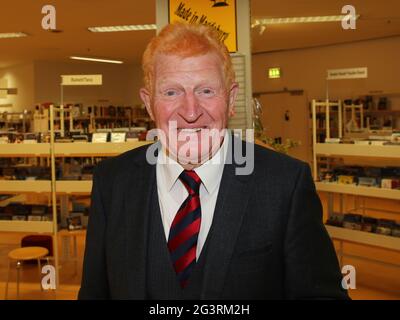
209, 172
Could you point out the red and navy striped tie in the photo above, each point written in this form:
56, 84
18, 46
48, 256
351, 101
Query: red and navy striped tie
184, 231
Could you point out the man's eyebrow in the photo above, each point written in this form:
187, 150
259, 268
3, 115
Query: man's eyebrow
168, 83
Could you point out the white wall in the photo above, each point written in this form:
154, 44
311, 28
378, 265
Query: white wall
120, 83
21, 78
134, 83
306, 68
39, 82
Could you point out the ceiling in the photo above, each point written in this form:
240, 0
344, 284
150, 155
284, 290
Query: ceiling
379, 18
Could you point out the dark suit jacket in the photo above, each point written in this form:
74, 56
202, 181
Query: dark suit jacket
267, 239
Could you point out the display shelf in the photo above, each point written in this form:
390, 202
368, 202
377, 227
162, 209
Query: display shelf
73, 149
27, 226
25, 186
74, 187
24, 150
15, 198
358, 190
44, 186
88, 149
370, 155
353, 150
382, 112
367, 238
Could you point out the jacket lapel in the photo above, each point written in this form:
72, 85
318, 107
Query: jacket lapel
137, 199
232, 201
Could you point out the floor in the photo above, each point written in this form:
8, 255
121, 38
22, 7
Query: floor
30, 291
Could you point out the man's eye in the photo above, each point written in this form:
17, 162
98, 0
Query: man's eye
170, 93
206, 91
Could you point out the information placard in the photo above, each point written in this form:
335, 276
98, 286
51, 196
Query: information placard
350, 73
82, 80
221, 15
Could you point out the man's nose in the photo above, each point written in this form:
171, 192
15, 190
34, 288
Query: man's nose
190, 109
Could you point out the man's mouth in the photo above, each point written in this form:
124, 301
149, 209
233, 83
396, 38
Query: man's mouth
191, 130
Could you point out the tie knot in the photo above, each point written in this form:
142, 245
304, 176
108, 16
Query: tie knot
191, 181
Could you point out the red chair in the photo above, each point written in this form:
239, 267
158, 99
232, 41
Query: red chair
43, 241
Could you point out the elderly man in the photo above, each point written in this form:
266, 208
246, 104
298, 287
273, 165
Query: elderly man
189, 227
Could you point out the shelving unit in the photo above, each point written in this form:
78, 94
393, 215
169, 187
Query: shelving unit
391, 194
13, 198
44, 186
374, 154
371, 239
326, 117
73, 149
54, 188
27, 226
15, 121
88, 119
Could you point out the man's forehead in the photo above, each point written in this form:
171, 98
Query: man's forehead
161, 59
172, 64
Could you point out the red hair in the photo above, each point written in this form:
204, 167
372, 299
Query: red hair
185, 40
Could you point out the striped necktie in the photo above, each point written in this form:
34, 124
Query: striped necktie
184, 231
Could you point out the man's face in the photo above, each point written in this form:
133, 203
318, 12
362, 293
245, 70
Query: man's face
189, 100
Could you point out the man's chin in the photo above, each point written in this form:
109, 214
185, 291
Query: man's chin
184, 155
195, 149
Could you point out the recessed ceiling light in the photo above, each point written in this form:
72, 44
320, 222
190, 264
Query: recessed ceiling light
12, 35
136, 27
96, 59
268, 21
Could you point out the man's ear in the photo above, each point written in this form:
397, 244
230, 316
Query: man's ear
233, 90
146, 98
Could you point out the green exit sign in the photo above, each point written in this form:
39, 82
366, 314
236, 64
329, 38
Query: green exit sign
274, 73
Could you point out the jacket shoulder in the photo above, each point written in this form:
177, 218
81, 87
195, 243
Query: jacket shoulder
276, 161
127, 160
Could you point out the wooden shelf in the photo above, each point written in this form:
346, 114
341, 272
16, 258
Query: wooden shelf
372, 239
15, 198
73, 149
24, 150
88, 149
44, 186
354, 150
74, 187
27, 226
25, 186
358, 190
382, 112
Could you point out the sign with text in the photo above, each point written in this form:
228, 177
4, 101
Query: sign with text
99, 137
221, 15
82, 80
351, 73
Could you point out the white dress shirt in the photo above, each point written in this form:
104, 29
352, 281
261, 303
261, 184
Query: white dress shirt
172, 192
